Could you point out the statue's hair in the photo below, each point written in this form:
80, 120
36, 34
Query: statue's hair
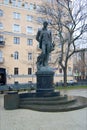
45, 22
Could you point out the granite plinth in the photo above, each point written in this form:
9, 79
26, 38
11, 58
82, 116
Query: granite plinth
45, 78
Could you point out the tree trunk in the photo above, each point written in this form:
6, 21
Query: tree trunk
65, 76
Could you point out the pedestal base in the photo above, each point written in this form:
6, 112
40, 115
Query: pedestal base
45, 81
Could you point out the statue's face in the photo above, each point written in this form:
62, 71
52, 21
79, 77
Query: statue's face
45, 24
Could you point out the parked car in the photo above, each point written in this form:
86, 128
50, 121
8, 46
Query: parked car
71, 82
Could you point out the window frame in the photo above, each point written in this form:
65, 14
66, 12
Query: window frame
29, 42
31, 6
16, 40
26, 6
19, 3
16, 28
1, 25
29, 71
14, 3
16, 55
1, 38
16, 15
29, 29
16, 71
1, 13
6, 2
29, 18
29, 56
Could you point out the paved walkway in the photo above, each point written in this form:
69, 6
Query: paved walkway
22, 119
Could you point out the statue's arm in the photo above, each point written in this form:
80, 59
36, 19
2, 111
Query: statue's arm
37, 36
51, 36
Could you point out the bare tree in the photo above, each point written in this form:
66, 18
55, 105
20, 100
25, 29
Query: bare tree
68, 25
80, 65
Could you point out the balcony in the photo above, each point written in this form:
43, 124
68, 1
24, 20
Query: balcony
2, 43
1, 60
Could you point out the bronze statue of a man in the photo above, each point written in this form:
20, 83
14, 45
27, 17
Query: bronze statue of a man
44, 37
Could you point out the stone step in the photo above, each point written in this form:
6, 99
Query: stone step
44, 98
39, 94
74, 104
48, 102
49, 108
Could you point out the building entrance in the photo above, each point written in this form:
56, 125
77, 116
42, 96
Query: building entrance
2, 76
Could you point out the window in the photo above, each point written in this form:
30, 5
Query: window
16, 82
6, 2
16, 55
1, 38
16, 71
50, 1
31, 6
69, 69
29, 41
16, 15
29, 71
29, 18
14, 2
1, 12
38, 7
19, 3
26, 5
29, 56
1, 26
2, 42
16, 40
60, 70
29, 29
16, 28
1, 56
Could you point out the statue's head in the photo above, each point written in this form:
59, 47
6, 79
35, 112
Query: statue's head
45, 23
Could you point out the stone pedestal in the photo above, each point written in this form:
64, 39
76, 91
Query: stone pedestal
45, 78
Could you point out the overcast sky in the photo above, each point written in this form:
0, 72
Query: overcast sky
76, 6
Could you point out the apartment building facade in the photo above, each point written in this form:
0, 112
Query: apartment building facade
19, 22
